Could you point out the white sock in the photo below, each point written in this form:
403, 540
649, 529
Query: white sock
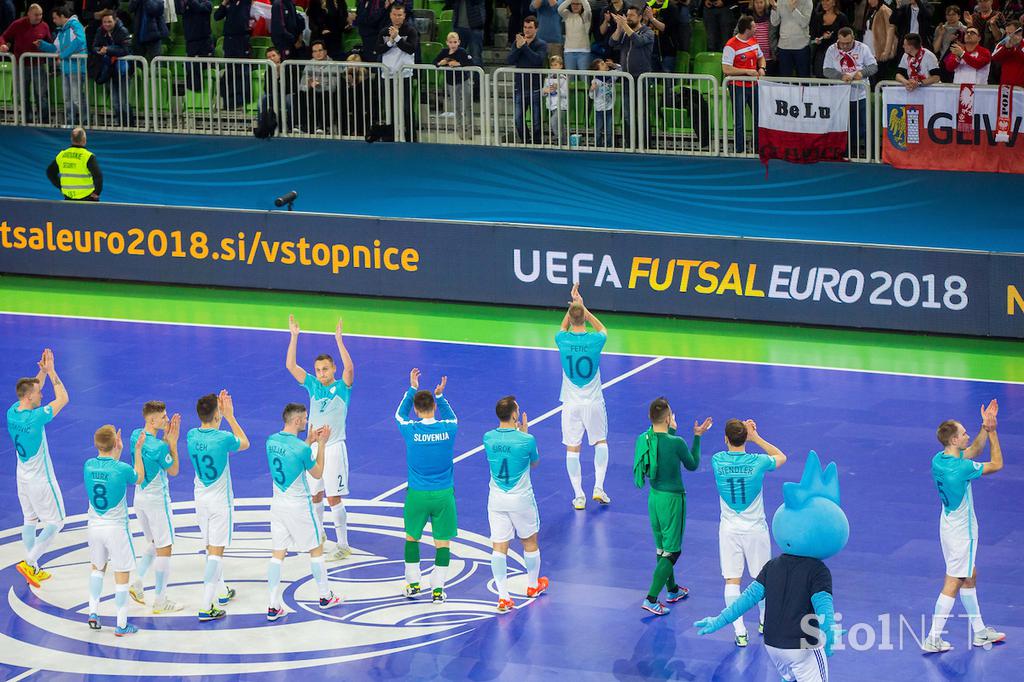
28, 536
760, 607
162, 566
95, 590
572, 465
211, 579
121, 601
412, 572
42, 543
316, 567
144, 563
318, 509
600, 464
499, 569
943, 605
732, 593
438, 577
969, 598
532, 560
222, 587
340, 523
273, 580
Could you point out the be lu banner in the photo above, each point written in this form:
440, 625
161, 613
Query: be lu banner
954, 128
803, 124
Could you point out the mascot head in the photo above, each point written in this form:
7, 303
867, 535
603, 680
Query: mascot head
810, 522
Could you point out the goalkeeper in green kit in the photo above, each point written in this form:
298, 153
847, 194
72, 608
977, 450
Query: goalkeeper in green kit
659, 454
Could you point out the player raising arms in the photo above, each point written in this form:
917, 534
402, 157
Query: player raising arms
110, 540
328, 406
293, 524
659, 454
38, 492
511, 507
581, 396
429, 452
152, 503
953, 470
208, 448
743, 532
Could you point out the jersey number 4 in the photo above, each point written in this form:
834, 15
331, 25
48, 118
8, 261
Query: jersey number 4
503, 472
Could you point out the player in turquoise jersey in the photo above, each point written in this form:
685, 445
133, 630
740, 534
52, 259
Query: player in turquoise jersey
511, 506
953, 469
582, 398
743, 531
152, 503
293, 523
328, 406
38, 491
110, 540
208, 448
429, 452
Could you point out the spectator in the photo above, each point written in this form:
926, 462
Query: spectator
92, 14
361, 98
636, 47
328, 20
767, 36
919, 65
556, 97
195, 23
285, 28
318, 88
266, 103
602, 91
672, 23
7, 14
235, 15
743, 57
458, 85
70, 44
397, 46
825, 25
468, 20
370, 15
21, 37
527, 52
718, 22
912, 16
851, 61
112, 42
518, 11
549, 24
988, 22
607, 27
793, 17
952, 31
879, 35
1009, 54
969, 61
577, 18
150, 27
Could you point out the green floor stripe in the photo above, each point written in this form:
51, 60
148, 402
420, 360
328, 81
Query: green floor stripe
993, 359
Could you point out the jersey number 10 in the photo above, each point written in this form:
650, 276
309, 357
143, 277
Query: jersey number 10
575, 366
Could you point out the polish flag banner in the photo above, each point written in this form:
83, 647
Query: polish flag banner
802, 123
259, 17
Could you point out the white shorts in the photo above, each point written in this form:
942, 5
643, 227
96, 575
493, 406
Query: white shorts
113, 544
753, 546
803, 665
577, 417
334, 482
41, 501
294, 527
523, 520
215, 521
155, 518
959, 548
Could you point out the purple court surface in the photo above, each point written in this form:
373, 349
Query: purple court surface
589, 625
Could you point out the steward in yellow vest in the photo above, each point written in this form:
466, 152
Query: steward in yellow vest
76, 172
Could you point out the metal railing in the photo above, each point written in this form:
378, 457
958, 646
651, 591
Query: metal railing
592, 110
681, 113
53, 92
8, 90
337, 100
448, 105
739, 116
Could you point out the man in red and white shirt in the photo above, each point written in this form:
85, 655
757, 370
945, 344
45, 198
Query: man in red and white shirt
919, 65
742, 56
970, 62
1010, 53
851, 61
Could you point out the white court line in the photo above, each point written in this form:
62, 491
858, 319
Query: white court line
550, 413
22, 676
521, 347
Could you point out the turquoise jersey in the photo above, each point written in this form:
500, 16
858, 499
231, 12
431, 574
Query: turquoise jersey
740, 476
429, 444
28, 431
581, 355
328, 405
209, 449
289, 458
106, 484
156, 458
510, 453
953, 476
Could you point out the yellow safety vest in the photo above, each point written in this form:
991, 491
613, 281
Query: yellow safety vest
75, 178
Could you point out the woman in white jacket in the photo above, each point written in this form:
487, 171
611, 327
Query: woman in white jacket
576, 17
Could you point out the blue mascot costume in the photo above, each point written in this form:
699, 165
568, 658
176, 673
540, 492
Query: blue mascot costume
810, 527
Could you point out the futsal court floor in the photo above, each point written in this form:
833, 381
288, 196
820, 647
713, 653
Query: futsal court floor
874, 416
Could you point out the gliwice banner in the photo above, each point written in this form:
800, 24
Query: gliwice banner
954, 128
802, 124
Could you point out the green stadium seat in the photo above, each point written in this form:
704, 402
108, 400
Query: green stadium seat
698, 38
429, 51
6, 84
682, 62
709, 64
444, 27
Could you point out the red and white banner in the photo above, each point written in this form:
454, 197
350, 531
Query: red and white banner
259, 17
954, 128
802, 123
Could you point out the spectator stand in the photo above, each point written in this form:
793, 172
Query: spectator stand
348, 101
444, 109
681, 112
8, 98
